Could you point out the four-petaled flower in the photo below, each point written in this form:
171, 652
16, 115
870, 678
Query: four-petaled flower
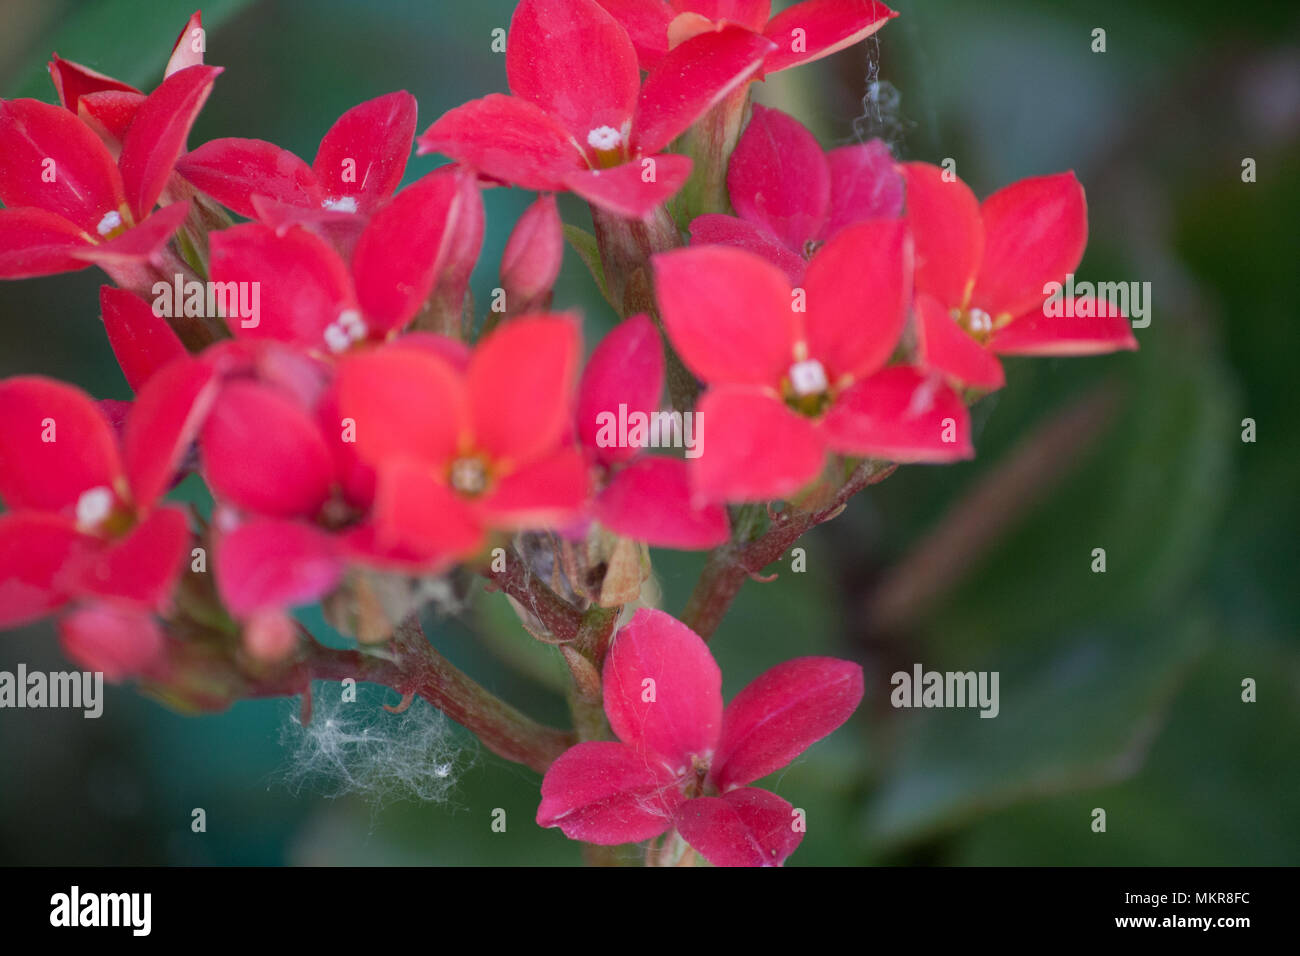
982, 270
69, 205
793, 373
461, 447
581, 119
684, 762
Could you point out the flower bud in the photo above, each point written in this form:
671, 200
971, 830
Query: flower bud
533, 256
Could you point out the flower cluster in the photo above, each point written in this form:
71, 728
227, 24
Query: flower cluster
793, 322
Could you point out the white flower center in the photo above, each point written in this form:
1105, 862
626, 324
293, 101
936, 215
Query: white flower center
604, 138
111, 221
349, 327
342, 204
94, 505
981, 323
469, 476
808, 378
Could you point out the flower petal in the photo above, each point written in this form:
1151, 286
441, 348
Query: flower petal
944, 346
187, 51
72, 81
945, 219
651, 500
900, 414
141, 243
141, 341
302, 284
142, 567
1099, 329
690, 79
646, 23
263, 452
606, 793
232, 171
1034, 233
401, 402
158, 133
728, 313
52, 160
749, 827
717, 230
118, 641
415, 514
364, 154
826, 27
858, 289
597, 89
110, 114
271, 564
781, 713
55, 444
507, 138
520, 386
663, 690
36, 548
402, 250
865, 184
758, 449
634, 189
543, 494
34, 242
779, 177
626, 369
164, 421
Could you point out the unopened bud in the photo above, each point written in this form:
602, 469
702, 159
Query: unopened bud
533, 256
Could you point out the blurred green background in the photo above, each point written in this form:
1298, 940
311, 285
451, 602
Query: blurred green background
1119, 690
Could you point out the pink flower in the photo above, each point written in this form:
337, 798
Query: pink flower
360, 163
795, 373
982, 268
69, 205
802, 33
644, 497
791, 197
85, 524
463, 449
309, 296
683, 761
581, 119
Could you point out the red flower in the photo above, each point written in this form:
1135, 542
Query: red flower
308, 295
791, 197
683, 760
644, 497
795, 373
581, 119
69, 205
459, 452
982, 268
360, 162
802, 33
85, 524
107, 105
